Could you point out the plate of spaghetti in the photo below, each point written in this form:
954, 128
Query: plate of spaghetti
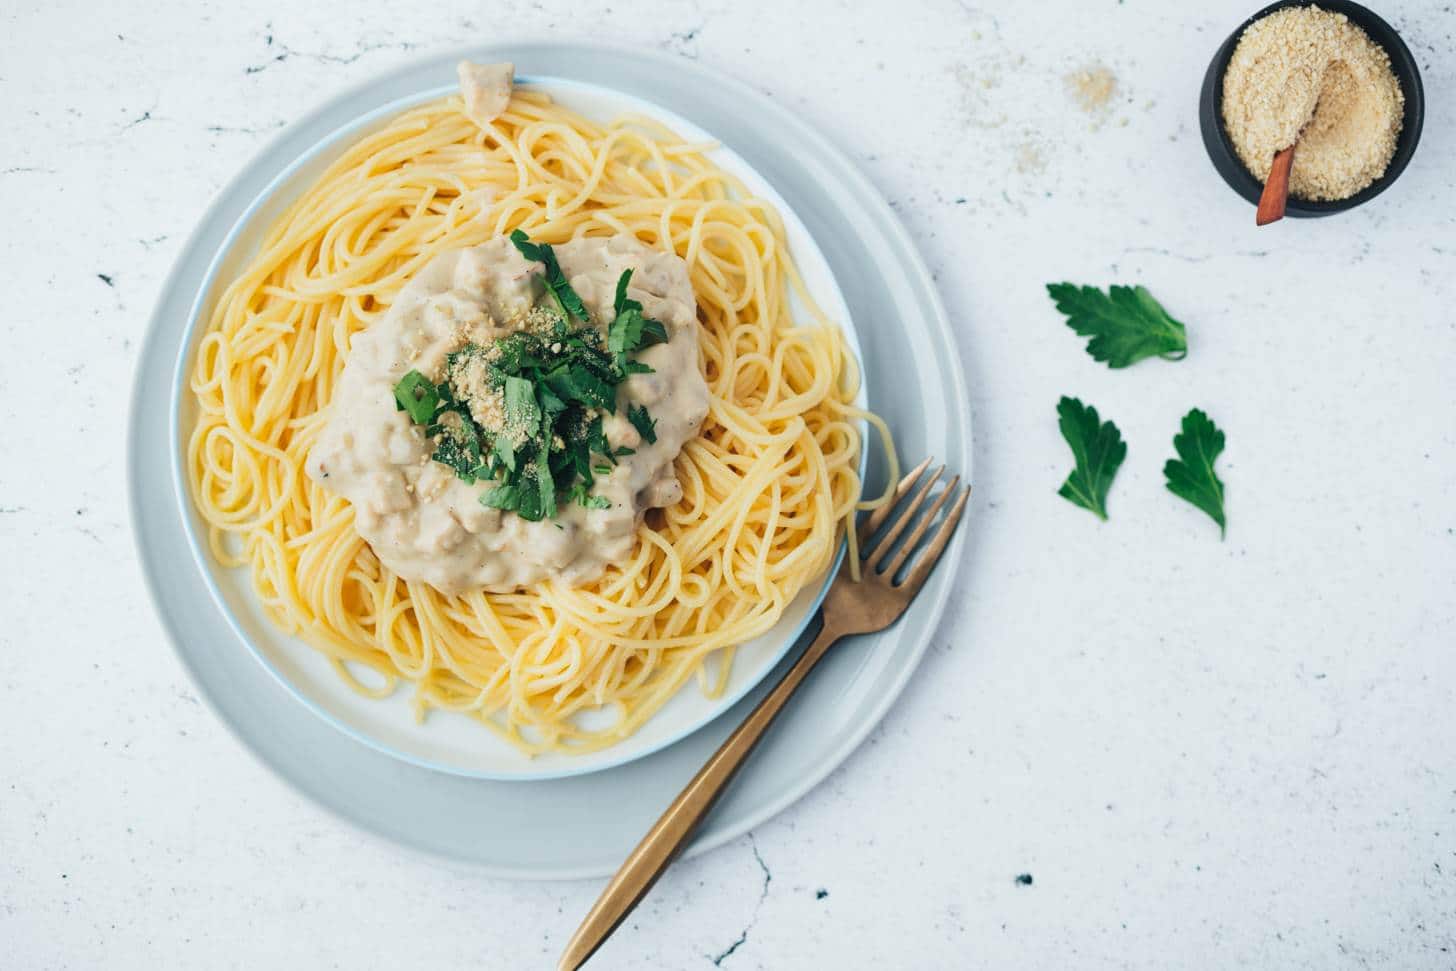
497, 432
517, 442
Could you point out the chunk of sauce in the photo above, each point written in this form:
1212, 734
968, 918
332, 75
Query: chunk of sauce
426, 524
486, 89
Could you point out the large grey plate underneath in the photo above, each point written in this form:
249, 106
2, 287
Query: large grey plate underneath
585, 825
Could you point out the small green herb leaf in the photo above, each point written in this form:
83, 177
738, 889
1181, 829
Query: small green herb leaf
505, 497
1126, 324
415, 395
528, 249
564, 293
653, 332
630, 331
577, 383
1098, 449
581, 496
645, 424
503, 453
556, 303
625, 332
556, 283
622, 301
1191, 475
596, 440
523, 415
545, 484
460, 453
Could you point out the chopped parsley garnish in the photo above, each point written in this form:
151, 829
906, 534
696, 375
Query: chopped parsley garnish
1190, 476
416, 396
1126, 324
1098, 449
579, 494
630, 330
524, 413
556, 286
645, 424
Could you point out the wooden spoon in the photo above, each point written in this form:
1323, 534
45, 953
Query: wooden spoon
1276, 189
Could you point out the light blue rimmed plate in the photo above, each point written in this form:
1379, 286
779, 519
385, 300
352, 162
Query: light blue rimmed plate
449, 741
558, 828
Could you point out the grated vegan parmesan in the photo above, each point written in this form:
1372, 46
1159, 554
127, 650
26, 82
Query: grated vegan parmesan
1309, 75
469, 377
1092, 88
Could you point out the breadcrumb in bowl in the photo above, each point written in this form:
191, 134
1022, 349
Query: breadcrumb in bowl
1224, 152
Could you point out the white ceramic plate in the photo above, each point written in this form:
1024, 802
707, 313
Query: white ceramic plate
447, 741
584, 825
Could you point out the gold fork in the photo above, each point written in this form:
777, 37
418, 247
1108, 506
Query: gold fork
849, 608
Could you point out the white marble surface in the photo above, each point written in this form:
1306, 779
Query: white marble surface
1206, 754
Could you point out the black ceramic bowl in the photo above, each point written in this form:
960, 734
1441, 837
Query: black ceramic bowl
1221, 148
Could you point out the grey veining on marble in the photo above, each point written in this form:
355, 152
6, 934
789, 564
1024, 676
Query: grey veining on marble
1205, 754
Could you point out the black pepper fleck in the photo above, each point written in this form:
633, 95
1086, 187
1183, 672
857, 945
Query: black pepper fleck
1024, 879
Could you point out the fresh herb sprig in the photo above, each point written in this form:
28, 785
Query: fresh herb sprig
1126, 324
416, 395
555, 386
1190, 476
630, 330
557, 288
1098, 449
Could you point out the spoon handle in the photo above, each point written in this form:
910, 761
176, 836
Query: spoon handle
1276, 189
670, 834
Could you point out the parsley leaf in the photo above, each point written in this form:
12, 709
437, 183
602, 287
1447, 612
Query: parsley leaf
415, 395
458, 446
528, 249
1099, 450
556, 283
1126, 324
622, 302
545, 483
523, 415
596, 440
577, 383
1191, 475
625, 332
579, 494
506, 497
630, 330
566, 296
653, 332
643, 422
503, 453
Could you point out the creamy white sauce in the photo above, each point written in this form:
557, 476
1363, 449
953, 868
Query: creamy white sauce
426, 524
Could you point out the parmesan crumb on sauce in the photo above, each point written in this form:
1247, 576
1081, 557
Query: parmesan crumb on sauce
469, 377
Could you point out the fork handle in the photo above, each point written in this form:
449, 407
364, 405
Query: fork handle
670, 834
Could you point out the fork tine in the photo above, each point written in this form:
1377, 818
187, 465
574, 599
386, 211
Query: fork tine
882, 549
919, 532
927, 560
879, 514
